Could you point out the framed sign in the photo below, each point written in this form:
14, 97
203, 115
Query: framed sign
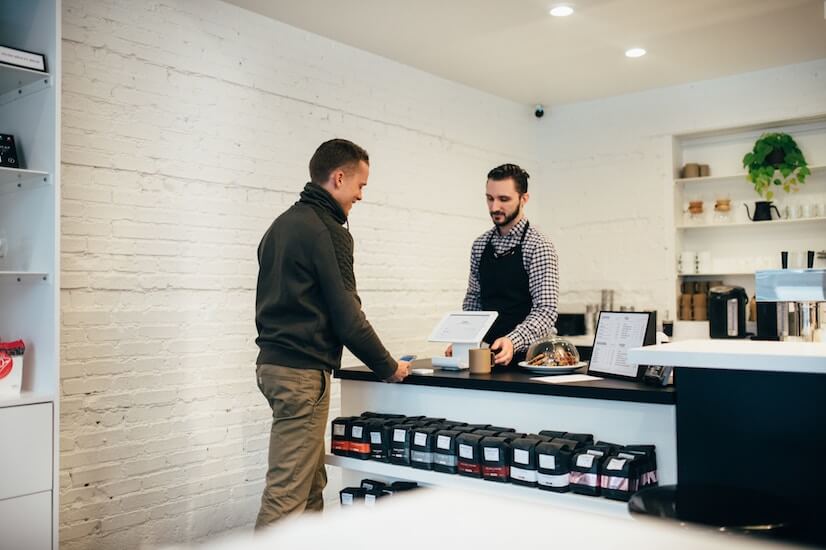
616, 333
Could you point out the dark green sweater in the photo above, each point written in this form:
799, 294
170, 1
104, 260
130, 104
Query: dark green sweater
306, 305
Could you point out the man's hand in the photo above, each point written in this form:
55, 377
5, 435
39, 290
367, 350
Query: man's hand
402, 371
503, 347
449, 351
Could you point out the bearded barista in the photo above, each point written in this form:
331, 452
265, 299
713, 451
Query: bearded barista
513, 270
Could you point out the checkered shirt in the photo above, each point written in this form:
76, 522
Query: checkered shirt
541, 264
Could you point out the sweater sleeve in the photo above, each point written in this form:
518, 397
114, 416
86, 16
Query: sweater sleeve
348, 320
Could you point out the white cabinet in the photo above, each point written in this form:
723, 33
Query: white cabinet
26, 522
736, 247
26, 440
30, 276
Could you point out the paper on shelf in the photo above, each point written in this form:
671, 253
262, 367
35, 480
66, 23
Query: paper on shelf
566, 378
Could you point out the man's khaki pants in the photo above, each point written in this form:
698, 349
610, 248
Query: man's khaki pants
300, 401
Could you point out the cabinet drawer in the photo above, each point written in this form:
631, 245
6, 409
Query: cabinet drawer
26, 522
26, 440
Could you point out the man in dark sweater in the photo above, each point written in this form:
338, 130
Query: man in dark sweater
306, 310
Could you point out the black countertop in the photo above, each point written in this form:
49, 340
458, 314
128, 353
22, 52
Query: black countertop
516, 380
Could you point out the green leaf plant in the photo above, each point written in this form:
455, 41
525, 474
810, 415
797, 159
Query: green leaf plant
775, 160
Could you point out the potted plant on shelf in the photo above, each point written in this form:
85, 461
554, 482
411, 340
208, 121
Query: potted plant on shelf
775, 160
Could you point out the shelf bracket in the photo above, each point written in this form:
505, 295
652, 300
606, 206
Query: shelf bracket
31, 88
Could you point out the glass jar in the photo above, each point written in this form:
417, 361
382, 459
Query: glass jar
552, 352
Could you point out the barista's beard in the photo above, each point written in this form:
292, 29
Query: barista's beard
508, 219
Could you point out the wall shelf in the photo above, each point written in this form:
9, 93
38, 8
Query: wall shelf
17, 82
815, 170
570, 501
771, 223
12, 179
24, 276
25, 398
730, 274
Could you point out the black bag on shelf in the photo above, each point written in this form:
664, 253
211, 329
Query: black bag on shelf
444, 455
371, 496
423, 446
583, 439
381, 433
648, 474
470, 461
499, 429
340, 435
351, 496
485, 433
495, 452
553, 461
360, 438
620, 477
523, 461
373, 485
553, 434
400, 443
586, 470
569, 444
478, 426
401, 487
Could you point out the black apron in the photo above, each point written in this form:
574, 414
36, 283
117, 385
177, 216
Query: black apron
505, 288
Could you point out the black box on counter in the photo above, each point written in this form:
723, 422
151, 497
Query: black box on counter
470, 461
586, 471
360, 438
619, 478
553, 461
340, 435
495, 452
523, 461
423, 446
351, 496
444, 455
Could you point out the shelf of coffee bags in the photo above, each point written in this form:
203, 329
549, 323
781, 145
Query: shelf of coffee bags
569, 501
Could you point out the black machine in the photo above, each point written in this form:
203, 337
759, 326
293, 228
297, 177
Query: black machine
727, 311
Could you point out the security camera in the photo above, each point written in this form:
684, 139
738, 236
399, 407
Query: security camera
539, 111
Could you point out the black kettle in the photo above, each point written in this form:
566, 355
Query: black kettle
762, 211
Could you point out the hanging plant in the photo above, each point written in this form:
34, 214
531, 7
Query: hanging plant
775, 160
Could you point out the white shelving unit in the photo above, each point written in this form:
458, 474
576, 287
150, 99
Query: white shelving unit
569, 501
740, 247
30, 277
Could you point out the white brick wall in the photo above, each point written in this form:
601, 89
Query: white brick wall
187, 127
607, 164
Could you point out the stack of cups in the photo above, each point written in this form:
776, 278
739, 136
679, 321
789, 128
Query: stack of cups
688, 263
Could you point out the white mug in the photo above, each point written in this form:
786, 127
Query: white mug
688, 262
704, 262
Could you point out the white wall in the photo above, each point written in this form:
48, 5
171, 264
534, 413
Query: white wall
608, 170
187, 127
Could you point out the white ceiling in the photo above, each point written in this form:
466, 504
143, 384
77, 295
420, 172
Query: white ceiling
514, 49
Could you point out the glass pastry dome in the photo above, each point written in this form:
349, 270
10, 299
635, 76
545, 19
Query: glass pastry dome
552, 351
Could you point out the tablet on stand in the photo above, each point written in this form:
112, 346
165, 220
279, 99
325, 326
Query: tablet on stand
464, 330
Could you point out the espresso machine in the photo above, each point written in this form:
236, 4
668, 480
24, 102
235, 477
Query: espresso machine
798, 297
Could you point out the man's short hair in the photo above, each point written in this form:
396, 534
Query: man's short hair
332, 155
520, 177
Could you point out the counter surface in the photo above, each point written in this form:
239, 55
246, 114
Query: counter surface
520, 381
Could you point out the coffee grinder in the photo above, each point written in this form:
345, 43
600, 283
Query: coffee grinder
800, 299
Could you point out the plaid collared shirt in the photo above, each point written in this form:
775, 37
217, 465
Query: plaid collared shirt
541, 264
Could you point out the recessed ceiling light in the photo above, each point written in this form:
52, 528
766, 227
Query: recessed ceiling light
635, 52
562, 10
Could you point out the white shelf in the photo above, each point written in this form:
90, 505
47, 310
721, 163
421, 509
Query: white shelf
815, 170
24, 276
12, 179
25, 398
731, 274
569, 501
749, 355
18, 82
767, 223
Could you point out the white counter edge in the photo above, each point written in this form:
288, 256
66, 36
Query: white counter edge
568, 501
749, 355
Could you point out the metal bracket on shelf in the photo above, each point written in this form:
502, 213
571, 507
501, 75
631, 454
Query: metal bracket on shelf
32, 88
23, 180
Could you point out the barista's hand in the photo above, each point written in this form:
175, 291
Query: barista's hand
503, 347
402, 371
449, 351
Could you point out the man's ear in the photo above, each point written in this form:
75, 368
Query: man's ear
525, 198
338, 178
